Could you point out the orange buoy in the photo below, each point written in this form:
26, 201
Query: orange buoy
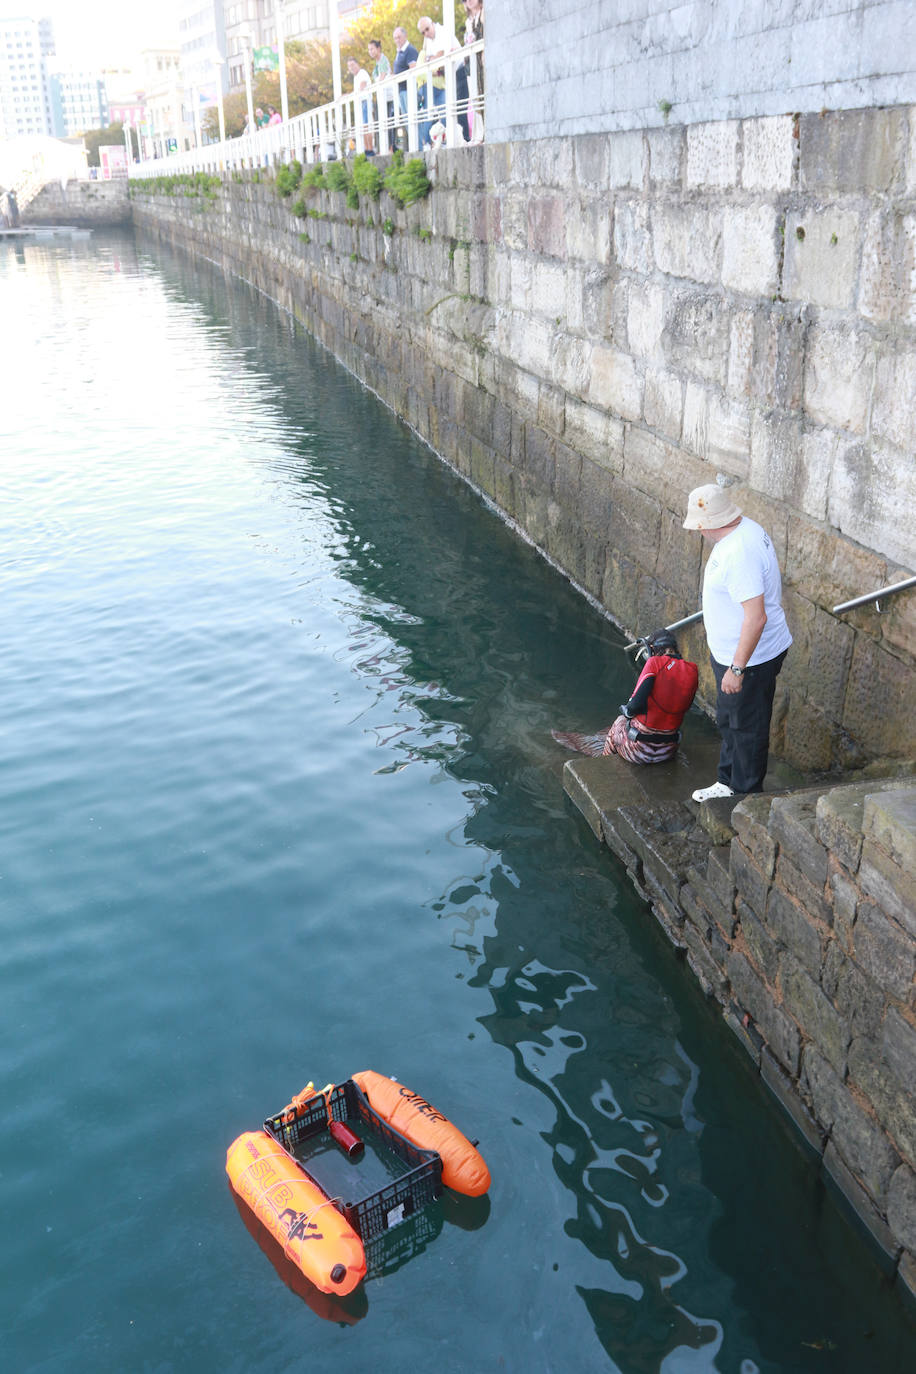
297, 1213
463, 1167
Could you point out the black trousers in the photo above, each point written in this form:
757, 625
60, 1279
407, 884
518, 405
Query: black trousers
744, 721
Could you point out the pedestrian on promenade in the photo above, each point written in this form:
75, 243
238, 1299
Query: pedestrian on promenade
405, 57
648, 729
361, 82
273, 116
747, 634
473, 32
438, 41
381, 70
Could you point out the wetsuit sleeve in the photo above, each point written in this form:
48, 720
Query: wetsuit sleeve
639, 701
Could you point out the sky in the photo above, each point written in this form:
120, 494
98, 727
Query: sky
104, 33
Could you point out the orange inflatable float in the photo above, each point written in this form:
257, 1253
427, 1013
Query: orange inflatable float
463, 1167
324, 1236
297, 1213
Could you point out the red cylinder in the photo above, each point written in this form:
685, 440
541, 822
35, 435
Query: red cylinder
348, 1140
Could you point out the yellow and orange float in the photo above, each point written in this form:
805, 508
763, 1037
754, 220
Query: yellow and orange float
324, 1236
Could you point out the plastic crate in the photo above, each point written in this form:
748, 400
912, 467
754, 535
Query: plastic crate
385, 1207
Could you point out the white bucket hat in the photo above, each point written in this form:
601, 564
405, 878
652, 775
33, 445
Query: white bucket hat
709, 508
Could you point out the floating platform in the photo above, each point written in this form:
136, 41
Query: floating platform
30, 232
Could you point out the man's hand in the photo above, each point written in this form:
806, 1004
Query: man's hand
731, 683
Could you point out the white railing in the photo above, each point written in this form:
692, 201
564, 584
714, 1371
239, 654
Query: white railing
398, 112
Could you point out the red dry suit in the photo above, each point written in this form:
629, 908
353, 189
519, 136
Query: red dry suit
662, 703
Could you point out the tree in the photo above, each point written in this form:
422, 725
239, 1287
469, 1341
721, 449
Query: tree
97, 138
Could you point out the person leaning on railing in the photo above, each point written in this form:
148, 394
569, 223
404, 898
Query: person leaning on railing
438, 42
473, 33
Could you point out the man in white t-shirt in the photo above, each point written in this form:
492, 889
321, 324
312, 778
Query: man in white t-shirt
746, 632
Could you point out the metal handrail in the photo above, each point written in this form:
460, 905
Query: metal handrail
875, 596
678, 625
345, 125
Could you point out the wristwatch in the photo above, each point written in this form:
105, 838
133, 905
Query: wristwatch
737, 671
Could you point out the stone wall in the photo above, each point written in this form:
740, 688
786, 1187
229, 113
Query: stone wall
92, 203
797, 913
589, 327
578, 66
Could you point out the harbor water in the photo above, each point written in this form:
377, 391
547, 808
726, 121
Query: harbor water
279, 802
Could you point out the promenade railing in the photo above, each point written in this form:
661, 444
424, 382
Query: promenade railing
401, 111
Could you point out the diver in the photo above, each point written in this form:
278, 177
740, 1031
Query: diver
648, 729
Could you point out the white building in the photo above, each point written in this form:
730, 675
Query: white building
161, 79
25, 46
78, 100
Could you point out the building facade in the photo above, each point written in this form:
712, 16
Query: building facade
78, 101
25, 103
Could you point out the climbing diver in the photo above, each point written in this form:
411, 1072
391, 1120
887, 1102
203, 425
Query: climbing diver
648, 727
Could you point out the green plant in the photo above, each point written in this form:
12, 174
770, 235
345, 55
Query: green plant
337, 176
314, 178
256, 175
299, 208
424, 235
388, 226
407, 181
664, 108
305, 238
366, 177
354, 257
295, 167
352, 198
800, 234
287, 181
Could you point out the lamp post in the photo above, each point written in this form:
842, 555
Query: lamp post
219, 63
334, 25
245, 37
281, 54
195, 103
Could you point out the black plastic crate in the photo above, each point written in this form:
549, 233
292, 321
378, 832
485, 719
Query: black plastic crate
385, 1207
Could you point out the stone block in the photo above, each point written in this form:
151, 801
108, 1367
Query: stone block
645, 319
862, 1144
878, 683
546, 225
678, 564
633, 529
588, 429
839, 369
898, 1048
696, 337
793, 825
715, 816
901, 1206
862, 1203
755, 998
707, 973
596, 497
813, 1011
666, 841
821, 257
718, 875
750, 819
712, 155
751, 883
856, 151
599, 307
789, 924
779, 348
895, 396
687, 241
667, 151
888, 270
869, 484
614, 383
746, 1034
591, 161
750, 256
633, 237
787, 1095
860, 1000
628, 160
588, 232
894, 1108
740, 354
889, 820
663, 402
884, 951
812, 900
699, 891
840, 814
844, 898
769, 148
759, 943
